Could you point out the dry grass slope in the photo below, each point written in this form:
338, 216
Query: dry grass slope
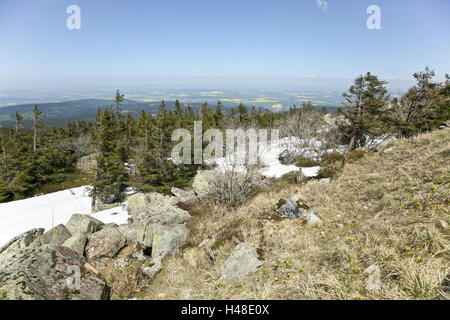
389, 208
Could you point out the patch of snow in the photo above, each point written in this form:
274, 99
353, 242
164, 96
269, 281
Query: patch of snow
117, 215
311, 171
269, 158
129, 191
49, 210
277, 171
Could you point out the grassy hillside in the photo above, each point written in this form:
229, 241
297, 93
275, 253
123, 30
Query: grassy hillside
389, 208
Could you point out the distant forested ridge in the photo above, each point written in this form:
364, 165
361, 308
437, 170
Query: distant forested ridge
59, 113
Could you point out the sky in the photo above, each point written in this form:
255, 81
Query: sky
228, 41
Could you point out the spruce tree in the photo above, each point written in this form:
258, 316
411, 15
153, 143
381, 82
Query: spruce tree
18, 121
111, 174
425, 106
6, 193
366, 101
36, 125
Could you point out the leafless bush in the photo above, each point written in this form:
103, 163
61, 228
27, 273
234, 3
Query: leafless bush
237, 178
235, 187
306, 134
83, 146
300, 131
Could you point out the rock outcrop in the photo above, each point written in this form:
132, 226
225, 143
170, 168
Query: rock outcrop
184, 196
137, 204
161, 240
129, 232
77, 243
83, 224
104, 243
22, 241
50, 273
55, 236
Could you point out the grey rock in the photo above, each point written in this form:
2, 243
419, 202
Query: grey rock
184, 196
129, 231
152, 266
55, 236
312, 219
202, 182
165, 240
87, 163
21, 241
137, 204
374, 280
83, 224
145, 234
241, 262
104, 243
168, 238
77, 243
50, 273
141, 206
167, 214
294, 208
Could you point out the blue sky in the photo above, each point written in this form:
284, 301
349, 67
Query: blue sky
191, 40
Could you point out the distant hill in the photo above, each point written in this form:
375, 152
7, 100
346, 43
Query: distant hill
59, 113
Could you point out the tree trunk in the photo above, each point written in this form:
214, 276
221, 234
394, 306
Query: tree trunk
355, 130
34, 133
5, 163
352, 143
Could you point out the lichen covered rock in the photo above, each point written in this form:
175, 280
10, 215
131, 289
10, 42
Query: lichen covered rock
104, 243
55, 236
50, 273
137, 204
22, 241
83, 224
202, 182
241, 262
77, 243
184, 196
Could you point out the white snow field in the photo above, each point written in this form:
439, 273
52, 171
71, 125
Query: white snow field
269, 158
49, 210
